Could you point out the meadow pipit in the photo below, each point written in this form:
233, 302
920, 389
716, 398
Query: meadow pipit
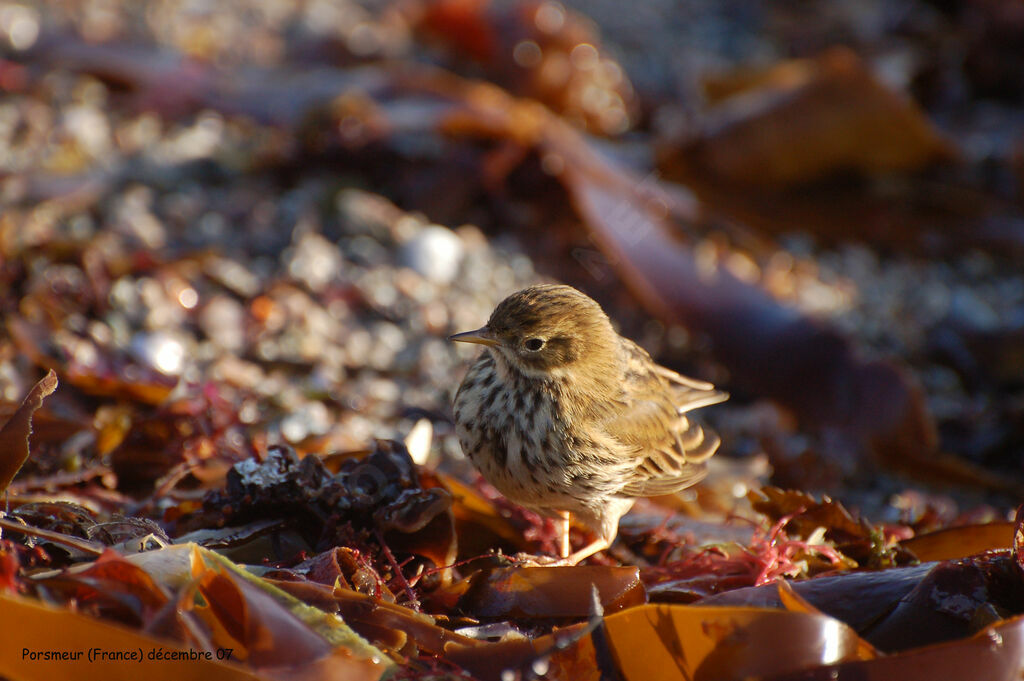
563, 415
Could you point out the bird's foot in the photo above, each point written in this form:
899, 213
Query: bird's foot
530, 560
524, 559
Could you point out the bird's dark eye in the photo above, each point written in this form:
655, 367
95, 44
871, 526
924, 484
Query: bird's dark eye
534, 344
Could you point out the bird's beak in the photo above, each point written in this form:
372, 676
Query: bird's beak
482, 336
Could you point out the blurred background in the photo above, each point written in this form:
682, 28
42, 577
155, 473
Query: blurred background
233, 224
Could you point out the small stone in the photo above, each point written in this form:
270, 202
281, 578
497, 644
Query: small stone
310, 419
435, 253
162, 351
969, 308
314, 261
223, 321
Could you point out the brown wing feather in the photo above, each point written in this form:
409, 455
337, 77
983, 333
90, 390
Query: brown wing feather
670, 447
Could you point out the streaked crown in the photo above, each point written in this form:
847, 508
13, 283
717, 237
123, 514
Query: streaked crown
551, 326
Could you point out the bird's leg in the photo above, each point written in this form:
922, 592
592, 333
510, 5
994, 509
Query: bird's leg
563, 535
603, 523
587, 551
564, 547
567, 560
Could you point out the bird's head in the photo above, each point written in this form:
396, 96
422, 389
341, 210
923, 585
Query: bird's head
546, 330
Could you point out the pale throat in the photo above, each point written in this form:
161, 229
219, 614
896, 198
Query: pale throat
508, 367
568, 376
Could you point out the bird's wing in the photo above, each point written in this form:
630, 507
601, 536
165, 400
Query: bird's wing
669, 446
690, 393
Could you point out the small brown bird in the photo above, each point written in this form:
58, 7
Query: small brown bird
563, 415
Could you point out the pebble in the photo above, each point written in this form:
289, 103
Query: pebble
223, 321
161, 351
314, 261
312, 418
435, 253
